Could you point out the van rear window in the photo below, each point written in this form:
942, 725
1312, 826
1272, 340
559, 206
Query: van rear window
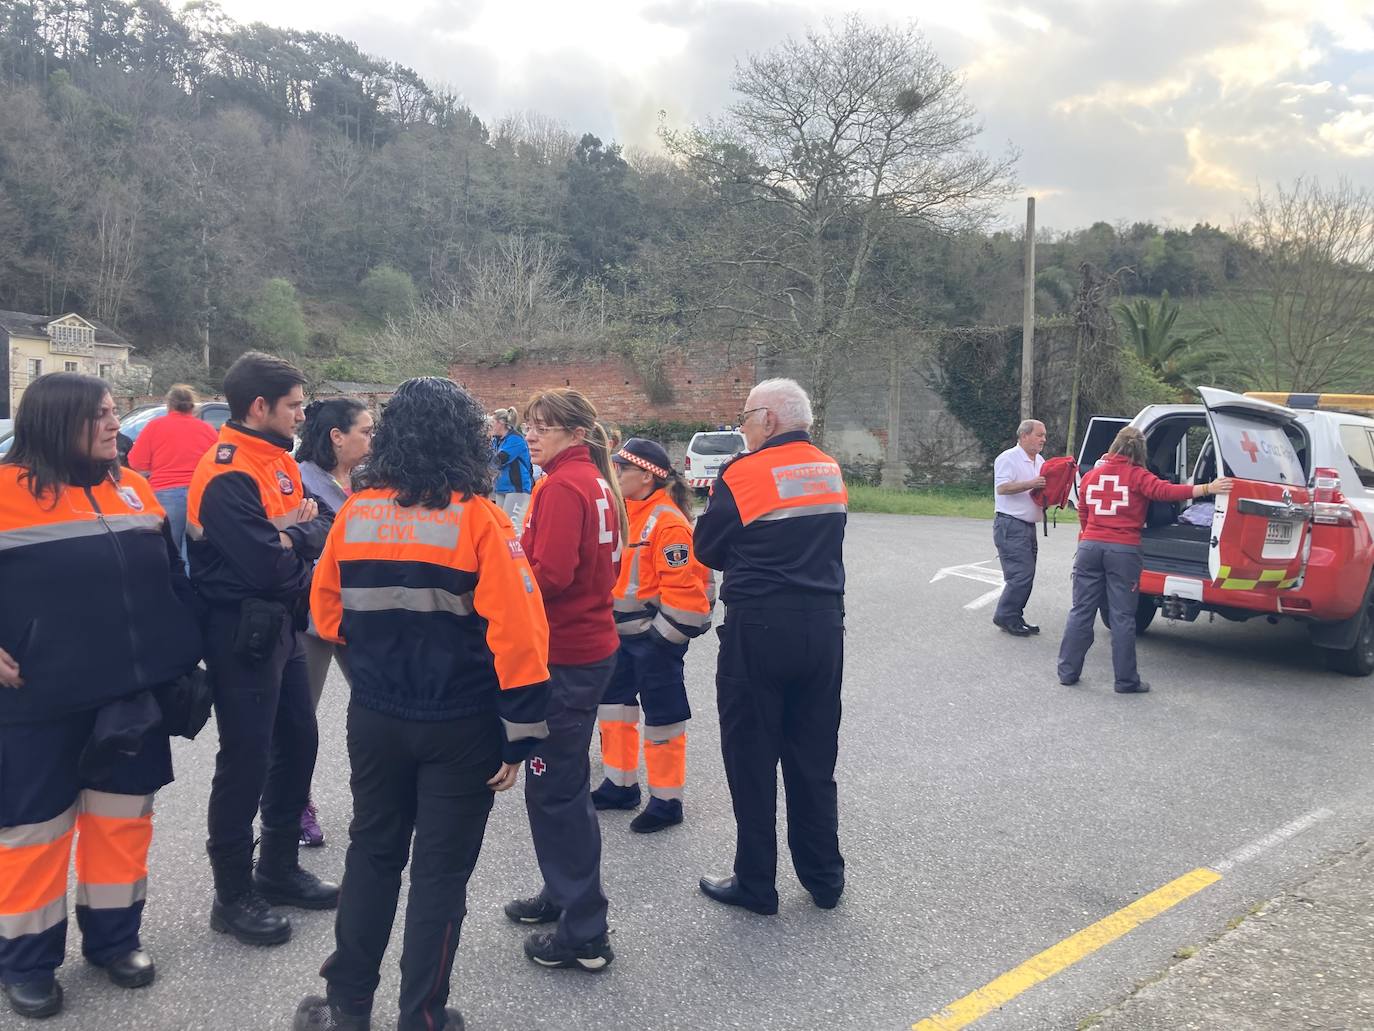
1256, 450
717, 443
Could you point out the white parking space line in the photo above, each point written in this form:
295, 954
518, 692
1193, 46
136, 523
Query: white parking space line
1261, 845
985, 599
977, 572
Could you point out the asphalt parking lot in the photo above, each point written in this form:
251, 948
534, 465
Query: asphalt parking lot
987, 814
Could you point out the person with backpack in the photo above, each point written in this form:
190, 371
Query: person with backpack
1016, 476
1113, 498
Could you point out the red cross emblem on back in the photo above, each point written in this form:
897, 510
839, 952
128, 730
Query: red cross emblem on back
1249, 447
538, 766
1107, 495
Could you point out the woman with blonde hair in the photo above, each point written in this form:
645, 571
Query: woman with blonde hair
573, 540
1112, 501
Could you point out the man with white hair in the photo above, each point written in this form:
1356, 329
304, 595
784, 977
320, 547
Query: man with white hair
775, 526
1015, 474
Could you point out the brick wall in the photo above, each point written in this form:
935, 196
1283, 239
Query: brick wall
709, 384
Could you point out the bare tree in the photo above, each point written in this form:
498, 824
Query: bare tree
1301, 314
834, 139
544, 139
513, 295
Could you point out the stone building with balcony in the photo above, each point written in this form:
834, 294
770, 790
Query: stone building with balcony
31, 345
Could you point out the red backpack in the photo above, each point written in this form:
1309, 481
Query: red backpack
1060, 476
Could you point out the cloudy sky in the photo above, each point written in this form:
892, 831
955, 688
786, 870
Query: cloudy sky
1171, 110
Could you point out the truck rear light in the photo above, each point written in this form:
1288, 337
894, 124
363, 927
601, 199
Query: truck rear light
687, 463
1329, 507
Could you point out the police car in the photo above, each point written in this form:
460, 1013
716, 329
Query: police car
1292, 540
706, 453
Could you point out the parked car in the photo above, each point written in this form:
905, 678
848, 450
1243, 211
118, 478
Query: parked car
706, 453
1292, 540
216, 413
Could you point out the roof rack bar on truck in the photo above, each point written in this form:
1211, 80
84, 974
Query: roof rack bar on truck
1355, 404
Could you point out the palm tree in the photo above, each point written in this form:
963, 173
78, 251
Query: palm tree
1177, 359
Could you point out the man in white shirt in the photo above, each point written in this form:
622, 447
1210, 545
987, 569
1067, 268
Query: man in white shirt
1015, 474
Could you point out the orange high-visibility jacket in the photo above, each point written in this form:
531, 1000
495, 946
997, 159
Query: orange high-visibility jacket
775, 522
244, 493
440, 613
662, 590
96, 604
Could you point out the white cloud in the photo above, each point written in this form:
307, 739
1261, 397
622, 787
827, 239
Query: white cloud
1351, 133
1124, 109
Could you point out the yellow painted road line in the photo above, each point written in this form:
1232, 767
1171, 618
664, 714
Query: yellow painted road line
1042, 967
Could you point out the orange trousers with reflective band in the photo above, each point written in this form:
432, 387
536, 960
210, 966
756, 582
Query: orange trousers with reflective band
647, 673
112, 834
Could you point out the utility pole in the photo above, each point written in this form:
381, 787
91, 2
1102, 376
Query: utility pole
892, 460
1028, 317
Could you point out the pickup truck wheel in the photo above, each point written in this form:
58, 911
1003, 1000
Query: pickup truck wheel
1358, 659
1145, 610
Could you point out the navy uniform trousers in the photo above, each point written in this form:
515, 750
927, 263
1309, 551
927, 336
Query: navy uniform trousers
558, 798
1017, 548
267, 744
46, 805
778, 691
420, 779
1105, 576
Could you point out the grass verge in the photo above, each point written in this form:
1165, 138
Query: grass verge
931, 501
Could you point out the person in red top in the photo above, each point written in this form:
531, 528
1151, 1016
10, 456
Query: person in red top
576, 530
1112, 500
167, 452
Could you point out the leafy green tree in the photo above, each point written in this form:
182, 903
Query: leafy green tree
276, 318
386, 291
1177, 359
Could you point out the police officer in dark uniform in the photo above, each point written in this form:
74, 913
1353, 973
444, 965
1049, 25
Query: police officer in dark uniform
253, 536
775, 526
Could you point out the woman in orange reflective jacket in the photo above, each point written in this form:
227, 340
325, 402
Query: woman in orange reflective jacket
97, 615
663, 599
424, 581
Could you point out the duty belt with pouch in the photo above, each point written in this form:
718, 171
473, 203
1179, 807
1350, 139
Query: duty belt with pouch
260, 629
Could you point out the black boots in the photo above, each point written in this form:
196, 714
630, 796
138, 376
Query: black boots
318, 1014
238, 909
134, 969
40, 998
280, 879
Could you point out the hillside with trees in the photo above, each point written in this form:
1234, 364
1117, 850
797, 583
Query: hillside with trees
207, 186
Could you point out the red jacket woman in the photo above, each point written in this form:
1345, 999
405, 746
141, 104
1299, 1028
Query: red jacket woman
1112, 499
573, 540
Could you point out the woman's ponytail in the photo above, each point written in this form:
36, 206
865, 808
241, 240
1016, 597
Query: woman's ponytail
599, 443
680, 494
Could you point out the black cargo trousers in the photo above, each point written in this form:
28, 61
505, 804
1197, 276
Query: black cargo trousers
778, 691
267, 744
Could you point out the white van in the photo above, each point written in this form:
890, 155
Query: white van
706, 454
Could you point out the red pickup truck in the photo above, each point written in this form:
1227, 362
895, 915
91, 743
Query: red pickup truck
1292, 540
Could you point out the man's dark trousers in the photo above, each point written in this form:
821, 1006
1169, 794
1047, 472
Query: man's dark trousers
567, 836
429, 778
1109, 573
778, 691
1017, 548
267, 744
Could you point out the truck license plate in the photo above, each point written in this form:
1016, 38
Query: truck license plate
1280, 531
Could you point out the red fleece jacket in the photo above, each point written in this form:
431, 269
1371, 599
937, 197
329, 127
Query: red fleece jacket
573, 544
1113, 498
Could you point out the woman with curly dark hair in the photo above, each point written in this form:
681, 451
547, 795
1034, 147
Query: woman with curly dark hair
335, 439
423, 579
